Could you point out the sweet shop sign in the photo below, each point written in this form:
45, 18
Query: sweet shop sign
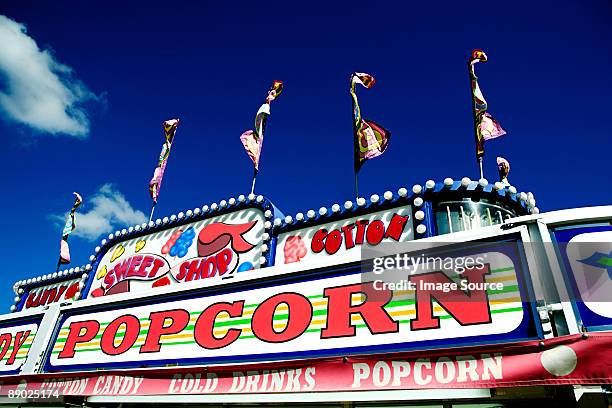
345, 236
327, 316
206, 251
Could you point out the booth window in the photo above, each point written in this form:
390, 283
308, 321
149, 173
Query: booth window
455, 216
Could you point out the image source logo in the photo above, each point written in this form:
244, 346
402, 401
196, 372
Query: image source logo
200, 251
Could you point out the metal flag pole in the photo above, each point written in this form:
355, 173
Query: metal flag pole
355, 142
152, 210
254, 179
480, 165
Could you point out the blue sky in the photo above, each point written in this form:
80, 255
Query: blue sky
85, 87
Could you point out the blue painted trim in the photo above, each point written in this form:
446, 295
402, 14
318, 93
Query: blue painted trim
429, 220
24, 297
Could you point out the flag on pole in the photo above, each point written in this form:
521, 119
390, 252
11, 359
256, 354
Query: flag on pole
370, 139
252, 140
158, 174
68, 228
503, 166
485, 126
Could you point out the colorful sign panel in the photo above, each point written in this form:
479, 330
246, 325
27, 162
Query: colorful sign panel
350, 235
561, 361
15, 342
332, 315
45, 295
207, 251
587, 255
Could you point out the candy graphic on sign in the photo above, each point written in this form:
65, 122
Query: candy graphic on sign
140, 245
245, 266
178, 244
101, 272
171, 241
294, 249
117, 253
182, 244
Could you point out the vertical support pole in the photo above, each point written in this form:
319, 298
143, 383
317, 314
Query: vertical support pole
253, 183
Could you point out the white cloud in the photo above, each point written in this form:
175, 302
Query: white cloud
36, 89
108, 211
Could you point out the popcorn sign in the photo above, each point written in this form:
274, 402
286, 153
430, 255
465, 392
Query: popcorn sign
324, 316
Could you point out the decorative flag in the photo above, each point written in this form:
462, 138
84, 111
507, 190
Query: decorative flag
68, 228
158, 174
485, 126
369, 138
252, 140
504, 168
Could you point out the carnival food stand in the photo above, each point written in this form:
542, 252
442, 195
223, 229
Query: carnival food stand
446, 293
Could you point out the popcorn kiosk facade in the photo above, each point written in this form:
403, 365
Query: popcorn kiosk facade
457, 293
